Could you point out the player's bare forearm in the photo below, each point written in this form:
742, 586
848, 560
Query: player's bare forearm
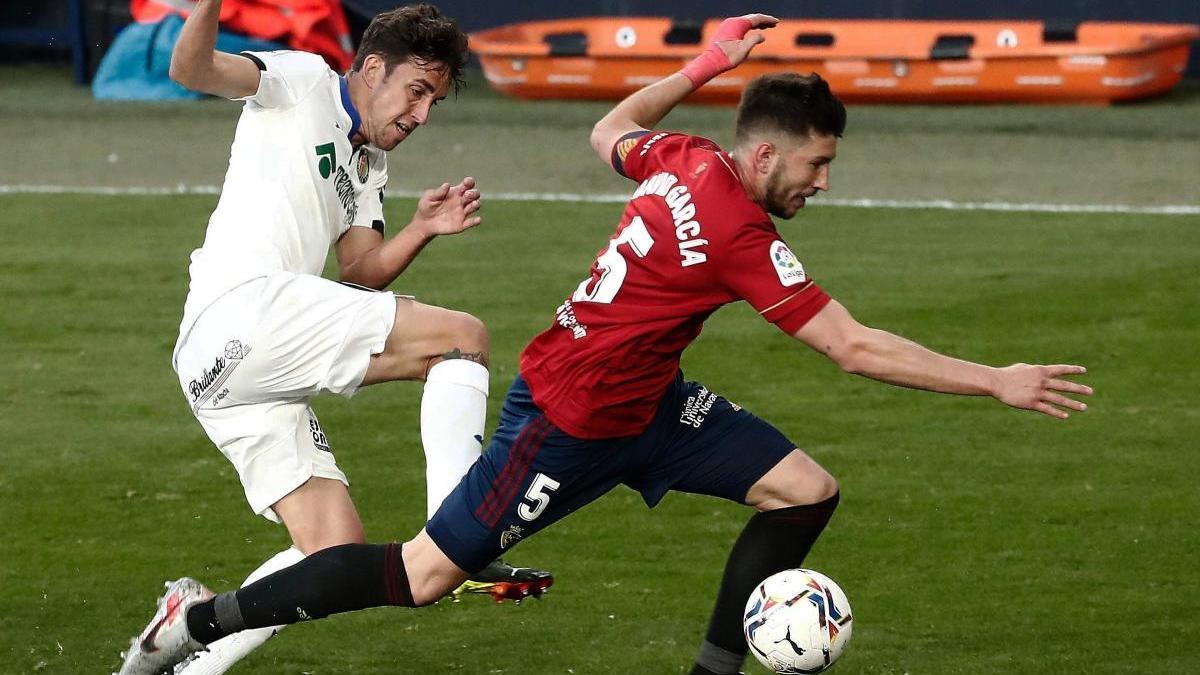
640, 110
447, 209
380, 265
197, 65
646, 107
887, 357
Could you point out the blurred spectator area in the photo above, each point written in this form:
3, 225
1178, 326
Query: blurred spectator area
80, 30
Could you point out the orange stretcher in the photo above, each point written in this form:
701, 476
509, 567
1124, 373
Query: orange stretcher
887, 61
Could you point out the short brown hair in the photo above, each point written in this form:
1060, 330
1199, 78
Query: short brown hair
420, 32
792, 103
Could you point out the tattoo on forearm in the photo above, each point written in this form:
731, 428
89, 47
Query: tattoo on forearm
456, 353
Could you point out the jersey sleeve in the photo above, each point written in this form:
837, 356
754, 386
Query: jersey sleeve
639, 155
285, 77
760, 268
370, 200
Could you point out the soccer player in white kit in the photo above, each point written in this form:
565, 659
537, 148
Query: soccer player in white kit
262, 332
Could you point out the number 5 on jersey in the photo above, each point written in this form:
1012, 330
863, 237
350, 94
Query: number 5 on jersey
612, 265
537, 497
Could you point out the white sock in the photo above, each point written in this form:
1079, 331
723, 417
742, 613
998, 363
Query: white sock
453, 408
226, 652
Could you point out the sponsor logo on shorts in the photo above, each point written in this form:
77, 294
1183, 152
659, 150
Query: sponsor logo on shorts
211, 380
319, 438
511, 536
697, 407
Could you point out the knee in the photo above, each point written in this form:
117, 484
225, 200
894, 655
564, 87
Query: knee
467, 332
425, 593
825, 486
809, 487
431, 575
799, 486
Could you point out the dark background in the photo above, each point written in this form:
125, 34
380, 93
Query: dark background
40, 29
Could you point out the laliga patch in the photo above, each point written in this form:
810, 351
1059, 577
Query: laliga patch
787, 266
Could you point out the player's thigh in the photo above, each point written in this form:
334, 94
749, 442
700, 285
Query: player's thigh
320, 514
708, 445
531, 475
422, 335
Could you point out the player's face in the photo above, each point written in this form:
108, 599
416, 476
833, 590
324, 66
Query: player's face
400, 99
800, 171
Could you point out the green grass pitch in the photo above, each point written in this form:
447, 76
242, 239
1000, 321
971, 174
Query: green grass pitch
971, 539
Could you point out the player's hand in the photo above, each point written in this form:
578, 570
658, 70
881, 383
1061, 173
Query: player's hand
738, 47
448, 209
1041, 388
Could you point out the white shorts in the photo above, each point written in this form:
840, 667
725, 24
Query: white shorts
252, 360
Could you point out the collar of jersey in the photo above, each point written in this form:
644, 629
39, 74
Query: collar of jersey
355, 118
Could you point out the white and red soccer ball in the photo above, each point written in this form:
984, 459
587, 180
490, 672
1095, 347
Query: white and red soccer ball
798, 621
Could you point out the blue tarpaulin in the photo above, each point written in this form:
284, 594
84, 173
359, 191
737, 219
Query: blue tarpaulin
135, 66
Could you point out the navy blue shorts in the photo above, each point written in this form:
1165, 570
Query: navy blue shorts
533, 474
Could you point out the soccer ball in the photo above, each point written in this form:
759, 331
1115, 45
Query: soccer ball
798, 621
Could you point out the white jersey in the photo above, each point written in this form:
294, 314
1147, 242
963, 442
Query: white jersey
294, 183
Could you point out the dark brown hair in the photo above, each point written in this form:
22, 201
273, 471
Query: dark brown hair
792, 103
420, 32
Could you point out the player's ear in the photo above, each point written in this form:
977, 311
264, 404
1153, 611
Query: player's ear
764, 156
374, 70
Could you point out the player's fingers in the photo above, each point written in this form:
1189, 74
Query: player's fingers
1065, 369
761, 20
471, 208
471, 222
1047, 409
1063, 401
470, 195
468, 183
1069, 387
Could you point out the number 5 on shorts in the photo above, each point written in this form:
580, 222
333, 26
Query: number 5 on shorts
537, 493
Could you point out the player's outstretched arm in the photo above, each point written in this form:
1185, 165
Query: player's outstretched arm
197, 65
890, 358
364, 258
644, 108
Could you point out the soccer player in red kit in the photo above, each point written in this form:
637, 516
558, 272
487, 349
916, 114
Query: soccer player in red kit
600, 399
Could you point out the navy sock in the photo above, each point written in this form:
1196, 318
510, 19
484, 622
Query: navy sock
334, 580
771, 542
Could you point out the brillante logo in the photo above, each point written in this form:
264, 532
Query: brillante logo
327, 159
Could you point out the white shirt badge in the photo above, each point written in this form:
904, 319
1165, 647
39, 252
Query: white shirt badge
787, 266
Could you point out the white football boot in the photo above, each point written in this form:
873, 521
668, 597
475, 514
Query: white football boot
166, 641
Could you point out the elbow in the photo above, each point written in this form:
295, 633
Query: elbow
181, 74
177, 74
598, 138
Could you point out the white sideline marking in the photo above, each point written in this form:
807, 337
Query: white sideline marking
943, 204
